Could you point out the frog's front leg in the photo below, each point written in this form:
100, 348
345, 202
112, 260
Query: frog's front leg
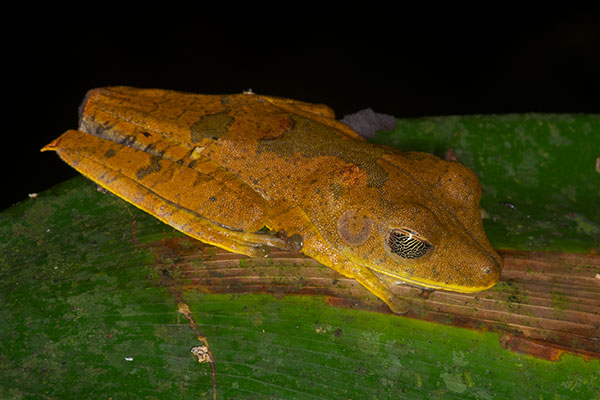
379, 288
295, 221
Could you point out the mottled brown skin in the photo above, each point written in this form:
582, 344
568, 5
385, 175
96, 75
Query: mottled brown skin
220, 168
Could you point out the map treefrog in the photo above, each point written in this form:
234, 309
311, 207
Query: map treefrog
221, 168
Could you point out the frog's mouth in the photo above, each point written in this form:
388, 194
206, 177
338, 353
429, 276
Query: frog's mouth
433, 284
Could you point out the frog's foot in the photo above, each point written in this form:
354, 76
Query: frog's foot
397, 305
256, 244
259, 239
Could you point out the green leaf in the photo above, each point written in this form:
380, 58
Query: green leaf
88, 313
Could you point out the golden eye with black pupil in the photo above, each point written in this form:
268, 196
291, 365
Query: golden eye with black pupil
406, 244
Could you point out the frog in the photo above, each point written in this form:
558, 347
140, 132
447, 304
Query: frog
248, 173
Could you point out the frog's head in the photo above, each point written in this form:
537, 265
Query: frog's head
422, 226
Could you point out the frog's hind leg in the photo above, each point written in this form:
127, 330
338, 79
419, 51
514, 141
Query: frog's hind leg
176, 194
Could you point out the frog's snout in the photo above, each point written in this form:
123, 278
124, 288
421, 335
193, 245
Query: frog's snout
487, 269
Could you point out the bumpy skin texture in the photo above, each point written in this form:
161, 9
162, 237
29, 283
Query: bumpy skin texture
220, 168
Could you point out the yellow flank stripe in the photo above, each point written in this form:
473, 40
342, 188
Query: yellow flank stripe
436, 285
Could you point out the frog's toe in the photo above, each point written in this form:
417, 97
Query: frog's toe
259, 239
397, 305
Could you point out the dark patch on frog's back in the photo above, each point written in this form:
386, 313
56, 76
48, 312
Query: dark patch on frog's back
110, 153
312, 139
153, 167
213, 126
89, 125
128, 141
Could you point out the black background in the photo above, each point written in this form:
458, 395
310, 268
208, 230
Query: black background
402, 62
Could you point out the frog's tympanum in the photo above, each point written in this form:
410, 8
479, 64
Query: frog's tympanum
222, 168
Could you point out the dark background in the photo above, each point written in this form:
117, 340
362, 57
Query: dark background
408, 64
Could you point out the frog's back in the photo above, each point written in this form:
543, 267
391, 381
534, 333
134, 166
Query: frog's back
189, 119
269, 143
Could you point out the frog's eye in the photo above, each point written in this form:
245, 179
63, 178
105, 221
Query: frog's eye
406, 244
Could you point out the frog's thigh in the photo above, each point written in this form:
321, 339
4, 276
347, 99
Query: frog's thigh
315, 246
172, 192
